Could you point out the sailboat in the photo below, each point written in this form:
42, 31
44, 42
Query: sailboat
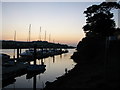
15, 44
6, 61
30, 52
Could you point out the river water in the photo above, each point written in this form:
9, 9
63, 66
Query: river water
55, 67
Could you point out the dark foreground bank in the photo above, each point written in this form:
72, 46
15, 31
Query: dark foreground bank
97, 66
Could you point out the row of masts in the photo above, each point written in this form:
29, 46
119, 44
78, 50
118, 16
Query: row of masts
30, 36
40, 38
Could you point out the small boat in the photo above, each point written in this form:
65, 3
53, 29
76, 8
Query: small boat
35, 68
27, 53
4, 57
6, 60
66, 51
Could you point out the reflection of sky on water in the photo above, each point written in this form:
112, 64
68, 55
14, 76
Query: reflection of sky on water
11, 52
54, 68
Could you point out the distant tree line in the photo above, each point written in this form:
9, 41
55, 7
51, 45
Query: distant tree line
38, 44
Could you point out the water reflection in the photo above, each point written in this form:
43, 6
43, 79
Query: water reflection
30, 75
34, 83
65, 55
53, 59
61, 56
55, 67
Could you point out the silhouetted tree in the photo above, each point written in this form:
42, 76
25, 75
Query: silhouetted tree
99, 19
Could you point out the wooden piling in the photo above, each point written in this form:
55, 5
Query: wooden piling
34, 54
17, 52
34, 83
20, 50
41, 61
42, 50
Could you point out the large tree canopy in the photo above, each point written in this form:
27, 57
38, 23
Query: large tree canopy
99, 19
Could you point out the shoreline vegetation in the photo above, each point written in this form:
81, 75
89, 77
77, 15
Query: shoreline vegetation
94, 69
97, 55
40, 44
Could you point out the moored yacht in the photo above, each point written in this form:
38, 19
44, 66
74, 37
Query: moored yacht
27, 53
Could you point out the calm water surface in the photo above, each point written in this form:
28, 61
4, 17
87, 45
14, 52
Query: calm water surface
55, 67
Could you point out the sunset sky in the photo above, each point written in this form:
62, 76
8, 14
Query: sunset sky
63, 20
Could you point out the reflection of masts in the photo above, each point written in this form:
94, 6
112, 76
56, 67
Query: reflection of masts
14, 86
34, 82
53, 59
15, 44
60, 55
29, 31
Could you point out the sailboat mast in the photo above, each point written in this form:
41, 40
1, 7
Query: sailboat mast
49, 37
53, 41
15, 44
15, 36
45, 35
29, 31
40, 34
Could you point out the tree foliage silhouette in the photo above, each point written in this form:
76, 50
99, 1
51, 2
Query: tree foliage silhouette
100, 19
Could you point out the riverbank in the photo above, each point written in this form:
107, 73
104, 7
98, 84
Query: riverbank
97, 66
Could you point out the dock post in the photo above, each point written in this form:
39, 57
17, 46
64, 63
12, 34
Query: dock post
20, 50
34, 82
17, 52
53, 59
34, 54
42, 50
42, 63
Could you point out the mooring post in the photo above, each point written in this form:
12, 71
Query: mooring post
42, 50
34, 54
34, 82
42, 63
17, 51
53, 58
20, 50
